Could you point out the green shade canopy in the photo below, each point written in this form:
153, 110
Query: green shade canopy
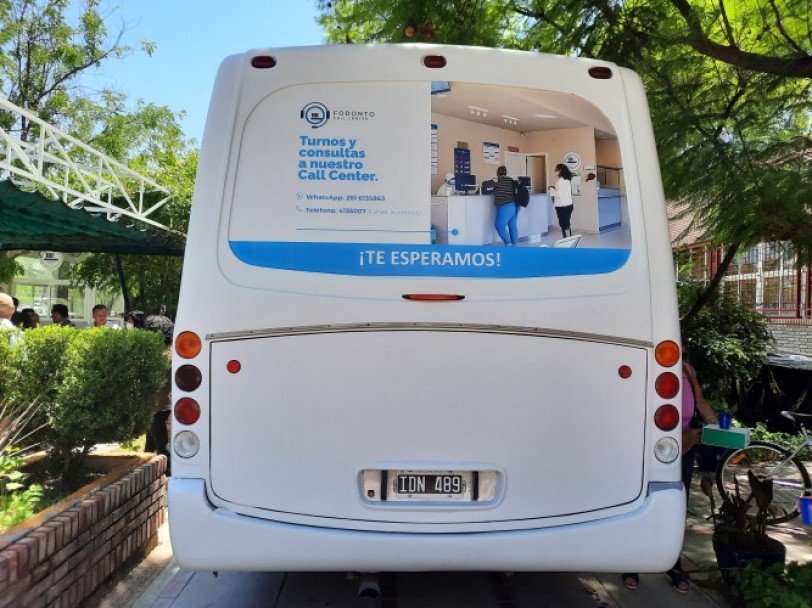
29, 221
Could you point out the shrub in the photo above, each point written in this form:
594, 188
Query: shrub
17, 503
775, 587
726, 342
93, 386
34, 368
109, 390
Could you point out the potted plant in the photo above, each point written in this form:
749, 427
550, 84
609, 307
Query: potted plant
740, 531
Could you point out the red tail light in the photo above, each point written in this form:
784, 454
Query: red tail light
188, 378
233, 366
187, 411
666, 417
667, 385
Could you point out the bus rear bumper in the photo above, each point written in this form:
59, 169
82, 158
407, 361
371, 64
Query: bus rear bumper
648, 539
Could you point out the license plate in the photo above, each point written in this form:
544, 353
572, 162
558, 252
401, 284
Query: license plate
418, 483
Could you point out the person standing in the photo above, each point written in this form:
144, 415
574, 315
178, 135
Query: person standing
6, 311
506, 222
16, 317
100, 315
562, 198
159, 431
61, 316
693, 404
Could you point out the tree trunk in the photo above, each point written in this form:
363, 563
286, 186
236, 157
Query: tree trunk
710, 290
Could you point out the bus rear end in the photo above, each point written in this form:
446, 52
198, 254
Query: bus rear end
369, 379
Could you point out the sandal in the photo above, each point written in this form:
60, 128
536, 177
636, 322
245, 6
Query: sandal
631, 581
679, 580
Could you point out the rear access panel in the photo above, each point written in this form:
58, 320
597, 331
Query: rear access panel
312, 423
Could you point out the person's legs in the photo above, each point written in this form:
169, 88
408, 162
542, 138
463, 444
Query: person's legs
560, 215
503, 215
513, 223
566, 216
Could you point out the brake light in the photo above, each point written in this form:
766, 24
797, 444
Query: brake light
433, 297
187, 411
188, 344
624, 371
667, 385
667, 353
233, 366
666, 417
188, 378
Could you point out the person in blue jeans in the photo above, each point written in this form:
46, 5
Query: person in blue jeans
507, 211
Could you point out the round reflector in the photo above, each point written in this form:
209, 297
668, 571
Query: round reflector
188, 377
667, 385
186, 444
233, 366
624, 371
666, 449
187, 411
188, 344
667, 353
666, 417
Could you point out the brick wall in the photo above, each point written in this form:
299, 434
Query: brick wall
61, 562
792, 336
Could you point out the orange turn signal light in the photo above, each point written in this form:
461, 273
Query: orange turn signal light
188, 344
666, 353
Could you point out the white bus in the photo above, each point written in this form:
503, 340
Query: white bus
366, 379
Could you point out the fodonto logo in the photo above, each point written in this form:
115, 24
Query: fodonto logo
315, 114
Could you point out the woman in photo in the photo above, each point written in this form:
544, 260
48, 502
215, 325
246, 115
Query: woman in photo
562, 198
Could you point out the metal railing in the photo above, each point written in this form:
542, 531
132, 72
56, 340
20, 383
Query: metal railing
767, 278
66, 168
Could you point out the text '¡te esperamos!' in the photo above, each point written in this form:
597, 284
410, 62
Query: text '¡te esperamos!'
372, 257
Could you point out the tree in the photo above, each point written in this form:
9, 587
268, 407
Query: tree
728, 86
45, 53
765, 36
150, 141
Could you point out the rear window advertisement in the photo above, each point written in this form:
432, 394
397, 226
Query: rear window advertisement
369, 179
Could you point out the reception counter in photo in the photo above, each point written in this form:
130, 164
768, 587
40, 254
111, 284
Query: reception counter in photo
468, 220
610, 214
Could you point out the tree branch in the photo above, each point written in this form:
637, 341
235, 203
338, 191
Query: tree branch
781, 29
792, 66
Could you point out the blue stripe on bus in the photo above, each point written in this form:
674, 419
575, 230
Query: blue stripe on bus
362, 259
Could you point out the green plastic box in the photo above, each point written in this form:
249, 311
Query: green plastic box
725, 438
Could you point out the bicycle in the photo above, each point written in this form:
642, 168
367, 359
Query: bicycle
770, 461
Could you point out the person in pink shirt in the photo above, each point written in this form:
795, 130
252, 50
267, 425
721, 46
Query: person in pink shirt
693, 404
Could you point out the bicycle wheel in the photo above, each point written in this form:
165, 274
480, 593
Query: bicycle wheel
790, 482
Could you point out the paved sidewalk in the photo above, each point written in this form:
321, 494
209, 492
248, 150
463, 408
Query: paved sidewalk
158, 582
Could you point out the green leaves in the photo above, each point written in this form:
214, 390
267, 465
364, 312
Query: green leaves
94, 386
726, 341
